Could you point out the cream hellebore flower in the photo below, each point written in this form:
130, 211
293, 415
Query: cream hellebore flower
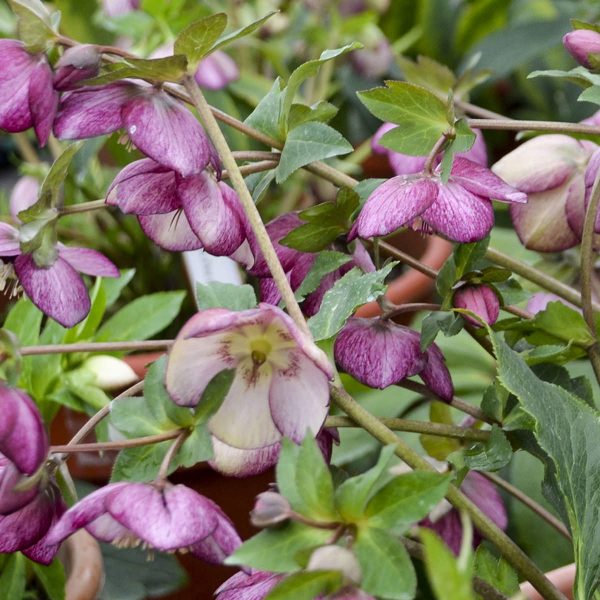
280, 388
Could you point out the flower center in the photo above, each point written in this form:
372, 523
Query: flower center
259, 350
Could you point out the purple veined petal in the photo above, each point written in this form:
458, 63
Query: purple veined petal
236, 462
542, 223
144, 187
591, 171
542, 163
539, 301
10, 498
449, 528
169, 519
23, 195
93, 111
222, 542
248, 587
268, 291
43, 99
76, 64
478, 151
395, 203
192, 363
167, 132
459, 215
482, 182
328, 436
106, 529
480, 299
216, 71
171, 231
375, 145
23, 437
312, 302
299, 399
435, 374
302, 265
378, 353
9, 240
88, 261
404, 164
243, 255
484, 494
581, 43
57, 291
207, 206
361, 258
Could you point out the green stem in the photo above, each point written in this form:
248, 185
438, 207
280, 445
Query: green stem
26, 148
237, 180
83, 207
96, 347
587, 274
393, 310
511, 552
118, 444
163, 471
551, 126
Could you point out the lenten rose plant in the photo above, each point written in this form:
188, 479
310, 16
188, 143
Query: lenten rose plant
211, 209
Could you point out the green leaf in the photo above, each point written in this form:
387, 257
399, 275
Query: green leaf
196, 448
443, 570
427, 73
141, 463
195, 41
307, 143
314, 482
213, 395
437, 446
285, 473
133, 418
386, 567
312, 237
496, 571
592, 94
491, 455
52, 578
568, 430
228, 38
352, 290
278, 549
12, 577
447, 322
225, 295
34, 24
462, 141
421, 115
142, 318
306, 585
321, 111
266, 116
160, 70
113, 286
325, 263
406, 499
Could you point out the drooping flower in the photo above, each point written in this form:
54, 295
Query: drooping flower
480, 299
166, 518
404, 164
550, 169
182, 213
27, 96
243, 586
583, 45
76, 64
460, 210
280, 388
155, 123
57, 289
380, 353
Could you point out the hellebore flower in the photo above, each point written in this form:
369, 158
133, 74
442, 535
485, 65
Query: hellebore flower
380, 353
248, 587
404, 164
155, 123
460, 210
480, 299
168, 518
75, 65
583, 44
182, 213
57, 289
23, 195
27, 97
539, 302
550, 169
280, 386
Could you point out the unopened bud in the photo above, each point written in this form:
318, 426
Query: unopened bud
583, 44
111, 373
336, 558
480, 299
269, 509
76, 64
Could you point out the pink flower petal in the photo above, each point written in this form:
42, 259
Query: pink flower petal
170, 231
15, 73
480, 299
221, 542
9, 240
484, 494
435, 374
57, 290
216, 71
236, 462
24, 194
12, 499
88, 261
248, 587
43, 99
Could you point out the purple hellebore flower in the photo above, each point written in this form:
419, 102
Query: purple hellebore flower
539, 302
550, 169
166, 518
280, 386
243, 586
156, 123
57, 290
404, 164
182, 213
582, 43
27, 96
374, 60
445, 519
480, 299
460, 210
76, 64
380, 353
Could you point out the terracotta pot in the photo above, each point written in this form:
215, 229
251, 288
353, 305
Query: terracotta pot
563, 578
82, 559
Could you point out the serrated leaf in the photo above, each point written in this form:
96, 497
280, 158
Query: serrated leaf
225, 295
141, 463
348, 293
133, 418
321, 111
266, 116
325, 263
446, 322
307, 143
491, 455
34, 24
306, 585
427, 73
496, 571
312, 237
285, 473
196, 448
228, 38
195, 41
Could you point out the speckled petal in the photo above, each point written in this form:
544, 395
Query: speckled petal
15, 73
88, 261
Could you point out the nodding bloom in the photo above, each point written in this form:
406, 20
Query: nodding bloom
280, 388
162, 517
182, 213
380, 353
480, 299
551, 170
404, 164
76, 64
156, 124
27, 96
56, 289
26, 514
583, 45
460, 210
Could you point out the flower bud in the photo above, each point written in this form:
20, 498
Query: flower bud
582, 43
111, 373
336, 558
480, 299
269, 509
76, 64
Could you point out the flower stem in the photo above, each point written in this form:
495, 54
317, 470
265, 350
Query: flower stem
430, 162
511, 552
393, 310
26, 148
83, 207
425, 427
587, 274
96, 347
237, 180
516, 125
118, 444
163, 471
